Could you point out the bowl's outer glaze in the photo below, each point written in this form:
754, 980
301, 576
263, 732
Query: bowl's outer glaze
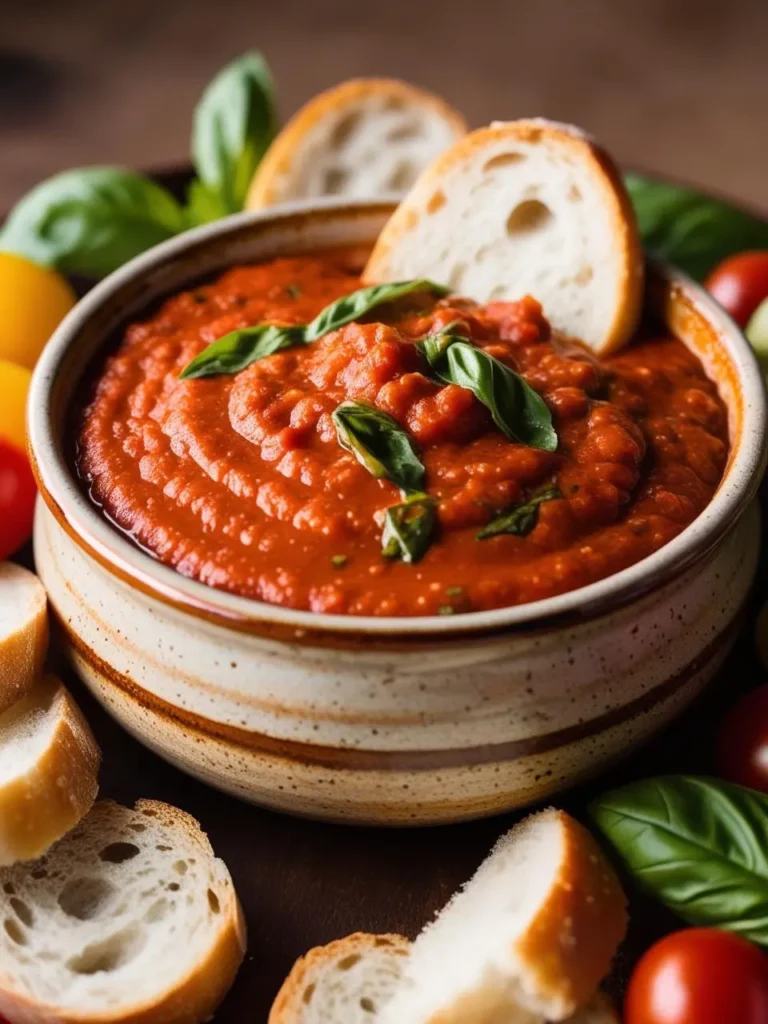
402, 721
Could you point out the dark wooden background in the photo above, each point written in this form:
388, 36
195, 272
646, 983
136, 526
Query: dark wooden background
677, 86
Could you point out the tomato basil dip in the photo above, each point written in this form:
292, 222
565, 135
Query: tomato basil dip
241, 480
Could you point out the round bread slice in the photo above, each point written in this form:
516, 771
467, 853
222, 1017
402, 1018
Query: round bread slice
524, 208
347, 981
23, 632
530, 936
363, 138
49, 764
130, 917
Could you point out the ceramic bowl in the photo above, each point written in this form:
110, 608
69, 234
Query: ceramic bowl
389, 721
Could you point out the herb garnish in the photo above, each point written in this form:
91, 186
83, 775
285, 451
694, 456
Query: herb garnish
520, 519
380, 444
293, 290
517, 410
408, 528
238, 349
339, 561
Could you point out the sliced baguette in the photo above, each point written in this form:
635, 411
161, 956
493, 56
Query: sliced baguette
130, 917
351, 980
49, 764
534, 930
524, 207
345, 982
364, 137
23, 632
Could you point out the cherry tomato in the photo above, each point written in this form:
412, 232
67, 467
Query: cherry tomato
699, 976
17, 499
742, 746
740, 284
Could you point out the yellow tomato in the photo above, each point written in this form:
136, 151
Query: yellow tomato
14, 385
33, 301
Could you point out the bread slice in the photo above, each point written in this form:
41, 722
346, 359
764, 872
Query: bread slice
345, 982
531, 935
351, 980
23, 632
524, 207
49, 764
365, 137
130, 917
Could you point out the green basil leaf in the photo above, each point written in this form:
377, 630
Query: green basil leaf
238, 349
351, 307
517, 410
698, 845
693, 231
521, 519
204, 204
379, 443
234, 124
91, 221
408, 529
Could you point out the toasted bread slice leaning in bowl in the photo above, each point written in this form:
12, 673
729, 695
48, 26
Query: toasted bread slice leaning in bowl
23, 632
362, 138
49, 765
524, 207
130, 917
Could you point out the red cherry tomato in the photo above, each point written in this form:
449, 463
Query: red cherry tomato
699, 976
740, 284
742, 746
17, 499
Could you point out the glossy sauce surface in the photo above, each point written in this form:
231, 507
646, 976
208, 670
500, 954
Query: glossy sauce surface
240, 482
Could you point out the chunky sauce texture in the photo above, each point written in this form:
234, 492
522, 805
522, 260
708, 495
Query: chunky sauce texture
239, 481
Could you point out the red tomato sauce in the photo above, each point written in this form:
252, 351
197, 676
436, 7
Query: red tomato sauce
239, 481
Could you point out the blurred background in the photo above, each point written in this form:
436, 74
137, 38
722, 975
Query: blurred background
676, 86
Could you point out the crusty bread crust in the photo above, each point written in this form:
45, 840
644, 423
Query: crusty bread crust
22, 650
195, 998
581, 147
287, 1005
58, 790
569, 946
265, 188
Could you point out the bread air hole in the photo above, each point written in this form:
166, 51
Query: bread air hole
502, 160
528, 217
334, 180
368, 1005
404, 132
116, 853
22, 911
14, 932
109, 954
348, 962
309, 991
84, 897
436, 201
180, 867
402, 176
343, 131
213, 901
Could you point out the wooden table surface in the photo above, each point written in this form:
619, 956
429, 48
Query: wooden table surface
677, 86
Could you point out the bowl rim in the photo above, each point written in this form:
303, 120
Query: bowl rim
92, 531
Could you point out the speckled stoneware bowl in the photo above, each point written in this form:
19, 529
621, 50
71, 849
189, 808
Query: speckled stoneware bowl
393, 721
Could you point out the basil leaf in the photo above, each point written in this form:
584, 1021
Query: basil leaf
351, 307
91, 221
698, 845
517, 410
238, 349
521, 519
234, 124
203, 204
379, 443
408, 529
693, 231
